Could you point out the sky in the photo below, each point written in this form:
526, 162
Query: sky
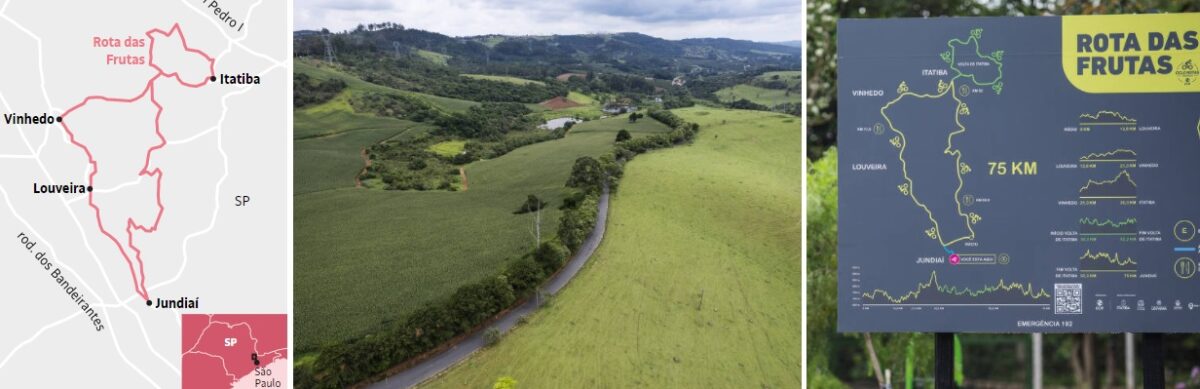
758, 20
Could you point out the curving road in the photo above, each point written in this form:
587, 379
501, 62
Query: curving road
430, 367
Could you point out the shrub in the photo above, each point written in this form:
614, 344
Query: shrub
747, 104
524, 275
550, 255
822, 211
491, 336
473, 303
577, 223
665, 117
573, 200
394, 105
623, 135
532, 203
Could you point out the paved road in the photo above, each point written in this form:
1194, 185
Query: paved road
438, 363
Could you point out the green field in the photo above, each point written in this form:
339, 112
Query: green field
434, 57
697, 281
581, 98
764, 96
508, 79
792, 77
448, 148
365, 256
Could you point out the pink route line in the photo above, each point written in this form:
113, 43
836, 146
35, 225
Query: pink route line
131, 225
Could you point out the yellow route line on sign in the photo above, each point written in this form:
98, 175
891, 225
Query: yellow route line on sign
949, 150
1094, 157
1109, 182
1113, 258
1026, 290
1116, 114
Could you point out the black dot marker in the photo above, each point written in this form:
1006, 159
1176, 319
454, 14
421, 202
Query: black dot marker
213, 78
89, 188
59, 119
148, 303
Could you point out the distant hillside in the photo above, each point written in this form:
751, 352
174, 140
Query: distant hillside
538, 56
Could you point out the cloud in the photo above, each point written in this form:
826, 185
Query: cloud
689, 10
350, 5
763, 20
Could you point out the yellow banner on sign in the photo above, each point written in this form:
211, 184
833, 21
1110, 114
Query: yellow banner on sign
1132, 53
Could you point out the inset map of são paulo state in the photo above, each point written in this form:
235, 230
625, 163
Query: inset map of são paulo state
144, 178
235, 351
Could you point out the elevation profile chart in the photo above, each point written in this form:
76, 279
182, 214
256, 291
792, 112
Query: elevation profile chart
1019, 174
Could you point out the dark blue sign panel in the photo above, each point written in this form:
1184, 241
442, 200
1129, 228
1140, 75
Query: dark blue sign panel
1035, 174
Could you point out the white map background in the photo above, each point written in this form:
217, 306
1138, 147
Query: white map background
225, 141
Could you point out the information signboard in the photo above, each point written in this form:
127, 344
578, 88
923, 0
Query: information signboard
1036, 174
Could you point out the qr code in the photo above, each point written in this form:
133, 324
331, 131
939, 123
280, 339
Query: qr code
1068, 299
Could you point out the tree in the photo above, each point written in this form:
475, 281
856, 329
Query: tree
586, 174
524, 275
550, 255
633, 117
505, 382
623, 135
532, 203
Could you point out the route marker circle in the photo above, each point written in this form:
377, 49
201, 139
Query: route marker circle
954, 259
149, 303
1185, 230
1185, 268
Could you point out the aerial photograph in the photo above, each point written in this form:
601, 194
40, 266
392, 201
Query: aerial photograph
524, 194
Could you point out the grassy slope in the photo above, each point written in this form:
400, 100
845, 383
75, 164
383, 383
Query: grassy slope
434, 57
720, 218
448, 148
581, 98
767, 97
792, 77
320, 71
508, 79
363, 256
